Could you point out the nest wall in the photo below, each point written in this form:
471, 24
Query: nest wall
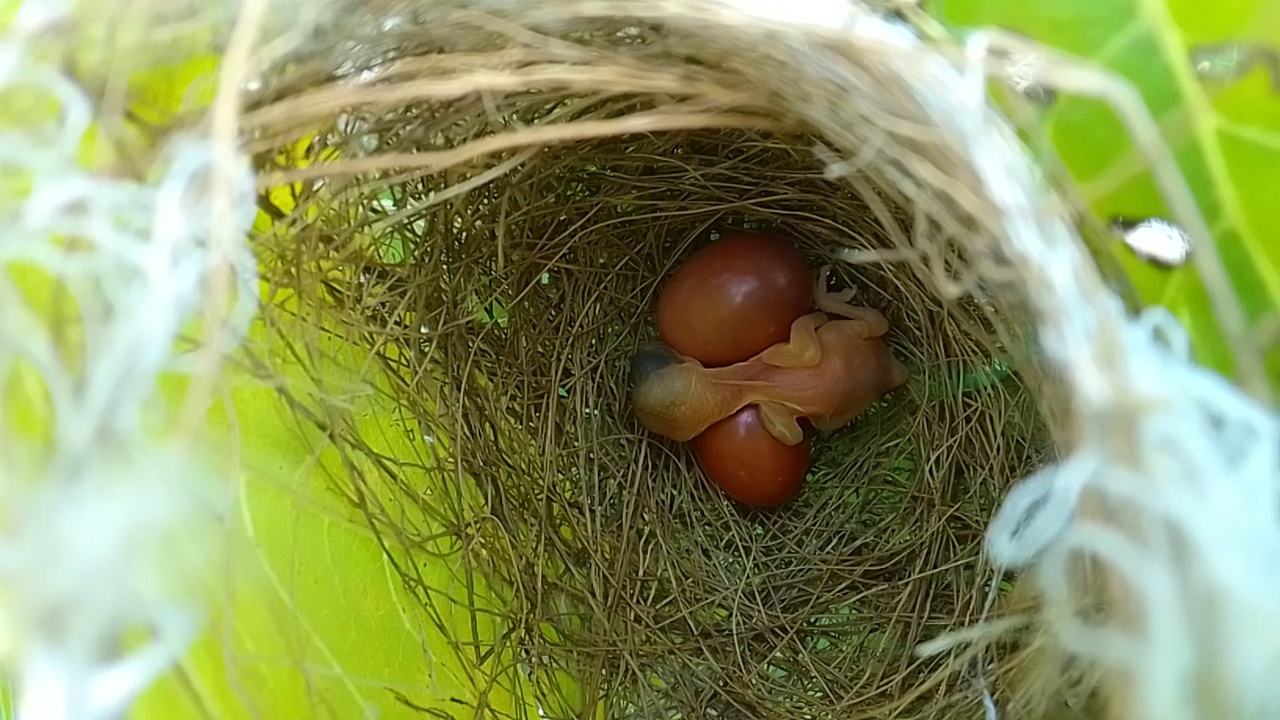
487, 204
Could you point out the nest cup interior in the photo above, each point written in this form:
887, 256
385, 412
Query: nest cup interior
504, 298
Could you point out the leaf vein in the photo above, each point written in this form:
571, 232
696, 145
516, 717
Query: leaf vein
1204, 125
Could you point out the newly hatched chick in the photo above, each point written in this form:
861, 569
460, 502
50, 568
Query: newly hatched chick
829, 371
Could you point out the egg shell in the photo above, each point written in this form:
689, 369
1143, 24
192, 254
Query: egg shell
734, 298
751, 466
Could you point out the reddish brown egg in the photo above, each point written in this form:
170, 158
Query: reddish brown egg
748, 463
734, 298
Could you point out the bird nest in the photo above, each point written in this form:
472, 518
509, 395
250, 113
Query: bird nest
487, 203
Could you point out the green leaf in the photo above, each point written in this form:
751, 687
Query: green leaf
495, 311
1225, 135
312, 618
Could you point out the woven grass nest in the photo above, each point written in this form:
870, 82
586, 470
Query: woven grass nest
487, 206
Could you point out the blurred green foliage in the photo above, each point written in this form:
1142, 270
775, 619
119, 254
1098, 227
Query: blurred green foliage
1223, 129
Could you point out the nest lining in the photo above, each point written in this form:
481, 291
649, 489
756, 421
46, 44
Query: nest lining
503, 294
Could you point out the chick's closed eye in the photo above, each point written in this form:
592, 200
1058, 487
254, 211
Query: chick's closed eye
649, 359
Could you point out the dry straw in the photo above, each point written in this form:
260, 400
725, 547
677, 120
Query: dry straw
487, 199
